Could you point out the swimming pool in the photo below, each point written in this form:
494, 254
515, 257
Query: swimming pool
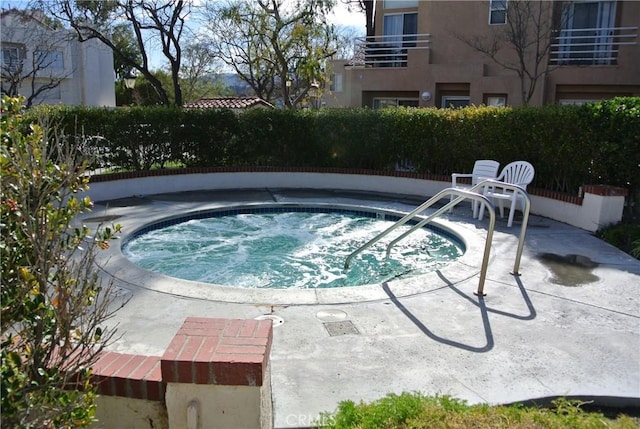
287, 247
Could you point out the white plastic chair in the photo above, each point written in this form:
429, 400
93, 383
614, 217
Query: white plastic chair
482, 169
519, 173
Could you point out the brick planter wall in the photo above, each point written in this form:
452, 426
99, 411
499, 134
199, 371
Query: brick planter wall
209, 353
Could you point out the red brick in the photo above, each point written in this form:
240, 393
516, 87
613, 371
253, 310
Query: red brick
231, 341
125, 370
155, 373
117, 364
248, 328
147, 376
169, 370
207, 349
238, 374
233, 328
238, 358
155, 391
103, 362
254, 350
264, 329
190, 349
138, 389
175, 347
184, 372
143, 371
606, 190
120, 387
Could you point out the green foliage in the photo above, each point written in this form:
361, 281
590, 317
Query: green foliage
270, 43
414, 410
570, 146
52, 302
625, 236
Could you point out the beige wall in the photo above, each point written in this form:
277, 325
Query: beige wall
451, 63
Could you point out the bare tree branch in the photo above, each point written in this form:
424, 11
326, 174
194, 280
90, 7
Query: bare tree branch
522, 45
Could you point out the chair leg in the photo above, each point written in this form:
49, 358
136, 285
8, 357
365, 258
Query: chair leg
475, 205
512, 211
501, 204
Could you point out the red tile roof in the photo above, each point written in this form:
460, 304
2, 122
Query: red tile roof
236, 103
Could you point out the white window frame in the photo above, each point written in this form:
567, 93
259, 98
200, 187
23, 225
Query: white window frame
337, 83
601, 41
446, 99
15, 61
50, 59
400, 4
496, 101
395, 102
495, 7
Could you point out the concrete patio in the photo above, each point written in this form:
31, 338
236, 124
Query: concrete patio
569, 325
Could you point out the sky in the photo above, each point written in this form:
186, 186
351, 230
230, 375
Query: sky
342, 17
353, 21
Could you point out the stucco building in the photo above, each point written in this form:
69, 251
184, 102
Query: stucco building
439, 53
43, 61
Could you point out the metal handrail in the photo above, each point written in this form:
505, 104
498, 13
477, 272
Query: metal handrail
462, 195
525, 216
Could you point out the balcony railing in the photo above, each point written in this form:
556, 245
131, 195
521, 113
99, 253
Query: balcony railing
390, 51
590, 46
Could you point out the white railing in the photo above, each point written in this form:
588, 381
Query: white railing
391, 50
590, 46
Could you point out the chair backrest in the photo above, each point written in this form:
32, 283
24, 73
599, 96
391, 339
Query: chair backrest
484, 168
519, 173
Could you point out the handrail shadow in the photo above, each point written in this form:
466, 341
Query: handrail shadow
525, 296
485, 322
480, 303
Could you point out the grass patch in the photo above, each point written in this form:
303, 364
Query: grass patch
414, 410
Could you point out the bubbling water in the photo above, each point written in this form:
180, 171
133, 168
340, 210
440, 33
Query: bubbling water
286, 250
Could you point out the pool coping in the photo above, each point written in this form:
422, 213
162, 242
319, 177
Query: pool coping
115, 264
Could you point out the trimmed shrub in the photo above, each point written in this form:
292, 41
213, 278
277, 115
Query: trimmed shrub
569, 145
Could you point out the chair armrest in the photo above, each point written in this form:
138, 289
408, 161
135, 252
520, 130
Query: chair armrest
456, 176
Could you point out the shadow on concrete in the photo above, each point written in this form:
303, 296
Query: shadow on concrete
475, 300
485, 322
525, 296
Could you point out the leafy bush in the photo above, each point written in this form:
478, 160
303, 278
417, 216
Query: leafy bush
52, 302
414, 410
569, 146
625, 236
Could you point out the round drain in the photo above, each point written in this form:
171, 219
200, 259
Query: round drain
331, 315
277, 320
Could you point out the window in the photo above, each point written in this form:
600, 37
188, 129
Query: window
399, 4
12, 58
52, 59
495, 100
586, 36
336, 82
454, 101
497, 12
399, 33
382, 103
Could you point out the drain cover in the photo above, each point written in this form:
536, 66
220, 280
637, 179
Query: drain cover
277, 320
341, 328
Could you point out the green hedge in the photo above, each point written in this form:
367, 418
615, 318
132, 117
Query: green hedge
568, 145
